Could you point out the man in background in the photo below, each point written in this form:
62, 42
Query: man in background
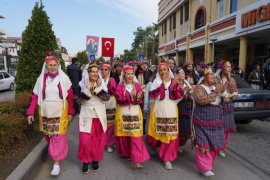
256, 78
75, 75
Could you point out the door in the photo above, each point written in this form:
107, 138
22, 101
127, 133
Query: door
7, 80
1, 81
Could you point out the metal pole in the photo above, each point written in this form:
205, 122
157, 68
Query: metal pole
213, 52
7, 60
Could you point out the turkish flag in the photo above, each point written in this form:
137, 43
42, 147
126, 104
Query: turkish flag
107, 47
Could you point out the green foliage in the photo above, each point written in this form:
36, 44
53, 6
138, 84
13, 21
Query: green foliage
129, 55
13, 124
37, 38
100, 60
83, 57
145, 41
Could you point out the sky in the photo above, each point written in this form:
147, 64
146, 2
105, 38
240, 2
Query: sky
73, 20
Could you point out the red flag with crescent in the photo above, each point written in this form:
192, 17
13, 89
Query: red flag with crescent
107, 47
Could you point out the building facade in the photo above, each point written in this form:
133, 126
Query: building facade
210, 30
10, 64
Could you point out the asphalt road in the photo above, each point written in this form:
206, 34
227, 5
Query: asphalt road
115, 168
252, 143
7, 95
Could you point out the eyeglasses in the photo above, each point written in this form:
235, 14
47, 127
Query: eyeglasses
104, 69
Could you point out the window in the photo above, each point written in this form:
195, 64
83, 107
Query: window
220, 8
165, 26
199, 19
233, 6
2, 63
1, 76
170, 23
6, 75
181, 15
174, 20
186, 12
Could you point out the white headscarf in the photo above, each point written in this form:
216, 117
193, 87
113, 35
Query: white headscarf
84, 83
64, 82
157, 82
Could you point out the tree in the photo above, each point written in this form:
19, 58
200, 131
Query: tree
146, 42
128, 55
100, 60
83, 57
36, 39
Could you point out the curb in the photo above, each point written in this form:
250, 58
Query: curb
30, 163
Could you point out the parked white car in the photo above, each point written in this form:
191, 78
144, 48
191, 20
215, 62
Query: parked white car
6, 81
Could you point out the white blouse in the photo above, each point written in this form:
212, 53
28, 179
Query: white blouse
52, 91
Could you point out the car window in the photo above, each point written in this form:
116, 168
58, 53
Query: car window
6, 75
1, 76
241, 83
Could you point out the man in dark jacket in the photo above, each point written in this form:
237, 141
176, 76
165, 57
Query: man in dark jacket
75, 75
266, 71
191, 76
117, 72
256, 78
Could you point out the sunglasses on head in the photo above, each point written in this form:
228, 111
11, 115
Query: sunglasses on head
104, 69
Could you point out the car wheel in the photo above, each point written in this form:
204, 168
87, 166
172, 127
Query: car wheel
245, 122
11, 87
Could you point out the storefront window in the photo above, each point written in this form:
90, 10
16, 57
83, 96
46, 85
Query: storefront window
199, 21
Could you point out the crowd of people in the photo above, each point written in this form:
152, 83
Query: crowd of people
117, 104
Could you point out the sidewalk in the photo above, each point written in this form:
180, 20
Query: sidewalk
114, 167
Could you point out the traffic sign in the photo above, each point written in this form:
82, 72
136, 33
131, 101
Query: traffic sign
92, 57
141, 57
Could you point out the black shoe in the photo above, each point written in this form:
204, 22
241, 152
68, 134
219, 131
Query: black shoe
95, 166
85, 168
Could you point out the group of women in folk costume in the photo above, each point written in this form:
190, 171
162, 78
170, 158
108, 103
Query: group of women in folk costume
111, 114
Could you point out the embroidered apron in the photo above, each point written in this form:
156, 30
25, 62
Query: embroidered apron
51, 119
110, 110
166, 117
130, 117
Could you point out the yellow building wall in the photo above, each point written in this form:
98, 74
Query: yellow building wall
178, 27
160, 35
244, 3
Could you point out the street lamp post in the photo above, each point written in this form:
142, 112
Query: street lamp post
213, 40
